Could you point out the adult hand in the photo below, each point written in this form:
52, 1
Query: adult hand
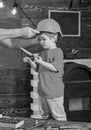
28, 32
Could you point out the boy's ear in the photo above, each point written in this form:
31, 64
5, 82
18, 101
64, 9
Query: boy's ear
55, 37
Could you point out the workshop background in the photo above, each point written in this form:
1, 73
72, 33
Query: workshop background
15, 75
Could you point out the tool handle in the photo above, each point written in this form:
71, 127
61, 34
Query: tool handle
27, 52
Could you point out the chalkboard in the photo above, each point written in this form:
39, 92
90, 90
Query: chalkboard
69, 21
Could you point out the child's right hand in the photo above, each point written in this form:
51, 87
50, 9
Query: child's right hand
26, 59
31, 62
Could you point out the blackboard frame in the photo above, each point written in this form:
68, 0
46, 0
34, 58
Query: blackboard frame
68, 29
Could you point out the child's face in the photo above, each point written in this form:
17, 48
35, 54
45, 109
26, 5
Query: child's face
45, 41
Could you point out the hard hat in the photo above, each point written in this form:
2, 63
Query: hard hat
49, 25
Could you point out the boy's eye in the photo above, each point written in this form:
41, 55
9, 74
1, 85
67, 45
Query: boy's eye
40, 39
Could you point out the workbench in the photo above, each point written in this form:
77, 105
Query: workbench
29, 124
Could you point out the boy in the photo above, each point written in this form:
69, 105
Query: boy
50, 68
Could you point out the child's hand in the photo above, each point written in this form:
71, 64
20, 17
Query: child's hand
31, 62
38, 59
26, 59
36, 55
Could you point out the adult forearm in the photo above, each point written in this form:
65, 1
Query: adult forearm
7, 43
9, 33
6, 36
25, 32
